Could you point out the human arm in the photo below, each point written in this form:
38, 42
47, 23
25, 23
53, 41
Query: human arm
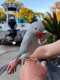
47, 51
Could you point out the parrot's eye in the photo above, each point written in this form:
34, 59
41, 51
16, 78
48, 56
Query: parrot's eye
35, 28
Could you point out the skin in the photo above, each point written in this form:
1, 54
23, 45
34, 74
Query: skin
47, 51
32, 70
12, 66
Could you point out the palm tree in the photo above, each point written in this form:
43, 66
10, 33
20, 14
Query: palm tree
52, 25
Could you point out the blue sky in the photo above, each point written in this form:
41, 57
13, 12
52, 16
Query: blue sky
37, 5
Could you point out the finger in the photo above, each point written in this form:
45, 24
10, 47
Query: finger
10, 70
8, 67
13, 70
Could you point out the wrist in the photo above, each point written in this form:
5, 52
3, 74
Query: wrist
18, 61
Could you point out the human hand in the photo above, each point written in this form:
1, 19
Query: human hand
11, 68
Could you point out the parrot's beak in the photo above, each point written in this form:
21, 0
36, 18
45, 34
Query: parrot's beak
40, 35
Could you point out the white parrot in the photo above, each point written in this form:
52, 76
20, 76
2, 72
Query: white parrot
29, 42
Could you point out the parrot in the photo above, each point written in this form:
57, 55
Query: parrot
29, 42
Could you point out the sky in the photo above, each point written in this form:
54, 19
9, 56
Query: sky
37, 5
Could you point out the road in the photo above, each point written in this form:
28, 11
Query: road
7, 53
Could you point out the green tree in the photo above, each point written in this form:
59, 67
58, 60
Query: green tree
26, 14
2, 15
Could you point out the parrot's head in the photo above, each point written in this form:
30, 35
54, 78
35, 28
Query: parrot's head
37, 26
38, 29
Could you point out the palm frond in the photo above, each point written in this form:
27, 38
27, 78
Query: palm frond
51, 24
50, 16
47, 22
54, 23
